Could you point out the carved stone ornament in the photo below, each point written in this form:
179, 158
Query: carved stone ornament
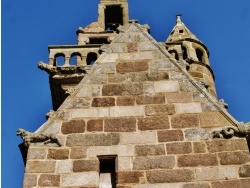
70, 90
29, 137
51, 114
222, 103
241, 130
50, 69
203, 84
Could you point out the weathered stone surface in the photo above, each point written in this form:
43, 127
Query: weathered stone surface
120, 125
80, 179
132, 47
143, 137
243, 183
219, 145
112, 89
85, 165
244, 171
88, 113
147, 46
103, 102
125, 101
126, 111
170, 176
197, 160
93, 139
49, 180
58, 154
199, 147
36, 153
216, 173
153, 123
185, 121
125, 163
118, 48
96, 79
129, 177
30, 180
179, 148
40, 167
150, 150
116, 78
182, 97
170, 136
78, 152
95, 125
162, 185
196, 134
150, 99
162, 65
183, 108
147, 163
105, 68
166, 86
132, 66
64, 166
208, 107
196, 185
73, 126
79, 103
157, 110
119, 150
213, 119
234, 158
122, 89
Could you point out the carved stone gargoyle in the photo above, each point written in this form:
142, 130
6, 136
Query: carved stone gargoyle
29, 137
241, 130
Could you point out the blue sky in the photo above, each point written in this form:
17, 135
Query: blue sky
29, 26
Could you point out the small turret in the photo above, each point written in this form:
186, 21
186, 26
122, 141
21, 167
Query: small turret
184, 45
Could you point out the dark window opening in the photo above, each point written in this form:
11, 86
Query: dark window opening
98, 41
180, 31
113, 17
75, 59
174, 53
91, 58
59, 60
107, 171
199, 54
184, 52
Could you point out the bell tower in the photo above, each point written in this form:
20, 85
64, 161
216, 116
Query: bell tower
184, 45
112, 13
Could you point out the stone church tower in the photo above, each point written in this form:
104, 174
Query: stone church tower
130, 112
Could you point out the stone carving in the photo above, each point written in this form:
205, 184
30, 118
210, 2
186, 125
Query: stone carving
70, 90
241, 130
51, 114
48, 68
222, 103
29, 137
203, 84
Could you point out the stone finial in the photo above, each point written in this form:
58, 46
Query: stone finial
51, 114
178, 18
222, 103
29, 137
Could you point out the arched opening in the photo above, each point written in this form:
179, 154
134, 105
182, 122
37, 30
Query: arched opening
75, 59
91, 58
174, 54
199, 54
184, 52
59, 59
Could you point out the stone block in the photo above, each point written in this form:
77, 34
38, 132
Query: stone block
157, 110
183, 108
153, 123
95, 78
199, 147
118, 48
122, 89
36, 153
119, 150
132, 66
125, 101
219, 145
242, 183
80, 179
208, 107
58, 154
95, 125
85, 91
185, 121
49, 180
150, 99
116, 78
64, 166
89, 113
196, 134
40, 167
112, 58
30, 180
161, 65
196, 185
125, 163
162, 185
122, 111
85, 165
197, 160
112, 89
148, 163
183, 97
143, 137
149, 150
244, 171
166, 86
234, 158
103, 102
216, 173
73, 126
79, 103
104, 68
213, 119
129, 177
170, 176
170, 136
93, 139
120, 125
179, 148
148, 88
132, 47
78, 152
147, 46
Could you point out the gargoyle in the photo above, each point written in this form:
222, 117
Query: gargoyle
29, 137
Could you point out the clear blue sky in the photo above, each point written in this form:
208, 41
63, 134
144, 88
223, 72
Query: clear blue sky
29, 26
